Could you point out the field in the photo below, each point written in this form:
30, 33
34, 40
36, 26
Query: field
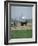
21, 31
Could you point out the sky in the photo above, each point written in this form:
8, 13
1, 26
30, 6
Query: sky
20, 12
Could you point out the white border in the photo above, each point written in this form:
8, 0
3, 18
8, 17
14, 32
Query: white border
33, 27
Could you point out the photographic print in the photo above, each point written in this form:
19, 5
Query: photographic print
21, 22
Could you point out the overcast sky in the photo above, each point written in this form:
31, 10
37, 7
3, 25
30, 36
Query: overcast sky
19, 11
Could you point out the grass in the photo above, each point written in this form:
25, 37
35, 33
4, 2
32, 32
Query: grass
21, 34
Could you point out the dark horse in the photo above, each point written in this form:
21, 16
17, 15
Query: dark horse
22, 23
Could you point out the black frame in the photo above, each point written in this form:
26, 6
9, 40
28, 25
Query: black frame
6, 31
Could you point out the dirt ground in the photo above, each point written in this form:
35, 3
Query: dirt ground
25, 27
